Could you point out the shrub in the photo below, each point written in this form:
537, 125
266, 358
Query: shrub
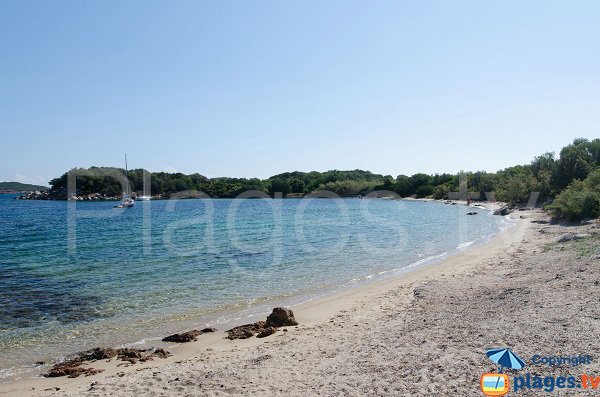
441, 192
349, 188
425, 190
516, 189
579, 200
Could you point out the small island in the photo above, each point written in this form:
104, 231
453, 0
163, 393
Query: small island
18, 187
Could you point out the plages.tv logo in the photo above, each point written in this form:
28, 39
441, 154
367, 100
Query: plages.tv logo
498, 384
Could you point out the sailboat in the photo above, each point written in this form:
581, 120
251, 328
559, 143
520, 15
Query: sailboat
126, 201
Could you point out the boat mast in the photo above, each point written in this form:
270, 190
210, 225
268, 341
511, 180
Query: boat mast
126, 177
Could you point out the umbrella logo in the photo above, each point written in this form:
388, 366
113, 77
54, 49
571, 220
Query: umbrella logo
498, 384
505, 358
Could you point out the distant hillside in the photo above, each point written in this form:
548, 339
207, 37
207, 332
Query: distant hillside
20, 187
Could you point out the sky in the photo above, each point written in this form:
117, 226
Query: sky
256, 88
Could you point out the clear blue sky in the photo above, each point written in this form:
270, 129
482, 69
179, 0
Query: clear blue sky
254, 88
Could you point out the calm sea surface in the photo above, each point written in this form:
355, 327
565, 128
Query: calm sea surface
79, 275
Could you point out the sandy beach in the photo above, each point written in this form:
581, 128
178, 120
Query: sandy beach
424, 333
334, 198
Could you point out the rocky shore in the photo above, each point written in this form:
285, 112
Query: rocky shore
75, 366
61, 194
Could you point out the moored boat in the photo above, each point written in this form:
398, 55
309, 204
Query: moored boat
126, 201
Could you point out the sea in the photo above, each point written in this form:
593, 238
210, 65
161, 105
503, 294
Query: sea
77, 275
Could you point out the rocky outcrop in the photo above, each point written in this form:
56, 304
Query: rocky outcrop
280, 317
61, 194
72, 369
502, 211
266, 332
98, 354
75, 366
131, 355
158, 353
189, 336
246, 331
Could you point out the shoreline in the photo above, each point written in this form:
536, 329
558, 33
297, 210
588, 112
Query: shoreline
97, 197
309, 313
235, 316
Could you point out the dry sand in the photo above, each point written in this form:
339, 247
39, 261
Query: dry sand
422, 334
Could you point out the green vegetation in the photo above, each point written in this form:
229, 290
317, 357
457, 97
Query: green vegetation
581, 199
424, 191
108, 181
572, 179
20, 187
588, 247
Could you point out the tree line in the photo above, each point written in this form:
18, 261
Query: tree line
571, 180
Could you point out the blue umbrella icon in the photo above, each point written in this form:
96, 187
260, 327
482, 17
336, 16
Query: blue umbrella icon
505, 358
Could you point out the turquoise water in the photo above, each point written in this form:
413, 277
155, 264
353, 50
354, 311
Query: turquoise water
76, 275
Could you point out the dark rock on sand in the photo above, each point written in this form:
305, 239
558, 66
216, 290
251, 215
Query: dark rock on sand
131, 355
160, 353
266, 332
157, 353
72, 369
98, 354
245, 331
72, 372
135, 355
281, 317
189, 336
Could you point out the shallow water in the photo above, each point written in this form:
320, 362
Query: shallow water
76, 275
